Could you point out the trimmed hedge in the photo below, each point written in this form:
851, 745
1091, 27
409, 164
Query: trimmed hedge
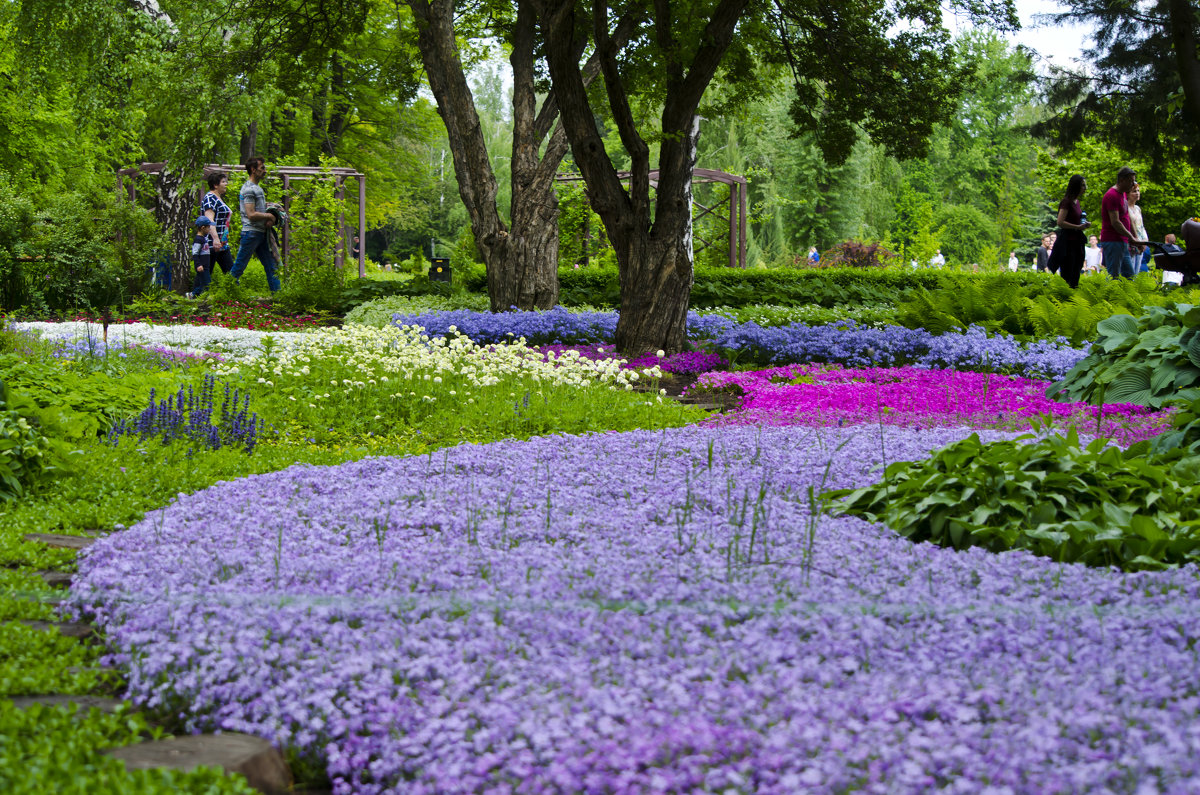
827, 287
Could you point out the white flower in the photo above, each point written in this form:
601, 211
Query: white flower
660, 354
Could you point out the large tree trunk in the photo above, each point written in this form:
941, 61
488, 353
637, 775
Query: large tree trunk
656, 283
249, 142
522, 268
654, 251
173, 208
522, 263
1182, 22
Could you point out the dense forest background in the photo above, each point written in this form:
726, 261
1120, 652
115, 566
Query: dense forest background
93, 87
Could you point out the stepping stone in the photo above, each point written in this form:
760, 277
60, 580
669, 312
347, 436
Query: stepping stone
706, 406
71, 629
255, 758
56, 579
83, 702
60, 541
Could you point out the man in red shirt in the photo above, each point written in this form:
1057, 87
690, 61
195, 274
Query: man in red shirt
1115, 237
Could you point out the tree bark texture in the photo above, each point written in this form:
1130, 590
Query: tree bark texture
521, 261
1183, 21
653, 249
173, 209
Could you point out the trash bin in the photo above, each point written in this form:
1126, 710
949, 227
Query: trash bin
160, 269
439, 269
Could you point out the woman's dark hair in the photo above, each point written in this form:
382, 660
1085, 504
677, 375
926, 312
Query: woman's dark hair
215, 177
1074, 188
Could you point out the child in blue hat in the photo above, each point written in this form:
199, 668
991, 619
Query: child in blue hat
201, 257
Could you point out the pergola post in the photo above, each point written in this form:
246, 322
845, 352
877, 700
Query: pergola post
287, 207
288, 174
733, 223
339, 256
362, 227
742, 224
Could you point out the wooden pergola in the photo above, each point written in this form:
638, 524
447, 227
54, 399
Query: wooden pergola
287, 174
736, 201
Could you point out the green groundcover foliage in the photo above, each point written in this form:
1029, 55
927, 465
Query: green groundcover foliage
1096, 503
58, 749
1043, 309
1148, 360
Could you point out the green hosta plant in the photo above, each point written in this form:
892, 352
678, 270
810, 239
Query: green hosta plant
1096, 504
1149, 360
25, 455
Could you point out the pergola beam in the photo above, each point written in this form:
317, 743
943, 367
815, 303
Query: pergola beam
288, 174
737, 205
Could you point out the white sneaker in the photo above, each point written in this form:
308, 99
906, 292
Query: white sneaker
188, 295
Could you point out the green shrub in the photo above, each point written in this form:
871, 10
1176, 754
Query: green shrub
1096, 504
89, 252
311, 278
360, 291
1045, 307
25, 455
378, 312
853, 254
17, 216
1149, 360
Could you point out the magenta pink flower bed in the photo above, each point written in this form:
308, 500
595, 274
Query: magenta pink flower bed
817, 395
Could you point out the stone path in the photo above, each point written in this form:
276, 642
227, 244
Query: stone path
262, 764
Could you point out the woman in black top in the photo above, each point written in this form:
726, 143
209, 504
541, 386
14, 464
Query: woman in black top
1067, 256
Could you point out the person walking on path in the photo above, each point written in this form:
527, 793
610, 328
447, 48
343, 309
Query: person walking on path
213, 205
1116, 239
201, 257
256, 222
1141, 258
1093, 257
1066, 258
1043, 254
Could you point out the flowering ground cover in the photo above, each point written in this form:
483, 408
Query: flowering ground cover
236, 314
844, 343
688, 362
815, 395
175, 337
644, 612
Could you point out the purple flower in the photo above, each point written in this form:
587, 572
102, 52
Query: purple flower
651, 611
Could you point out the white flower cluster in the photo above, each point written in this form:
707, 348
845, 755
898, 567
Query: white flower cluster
368, 356
178, 337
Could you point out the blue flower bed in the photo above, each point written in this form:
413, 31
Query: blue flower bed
843, 343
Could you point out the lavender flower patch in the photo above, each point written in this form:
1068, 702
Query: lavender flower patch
73, 348
644, 612
844, 343
848, 344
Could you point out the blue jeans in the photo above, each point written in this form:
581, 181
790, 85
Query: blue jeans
1117, 260
255, 242
200, 280
1145, 257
